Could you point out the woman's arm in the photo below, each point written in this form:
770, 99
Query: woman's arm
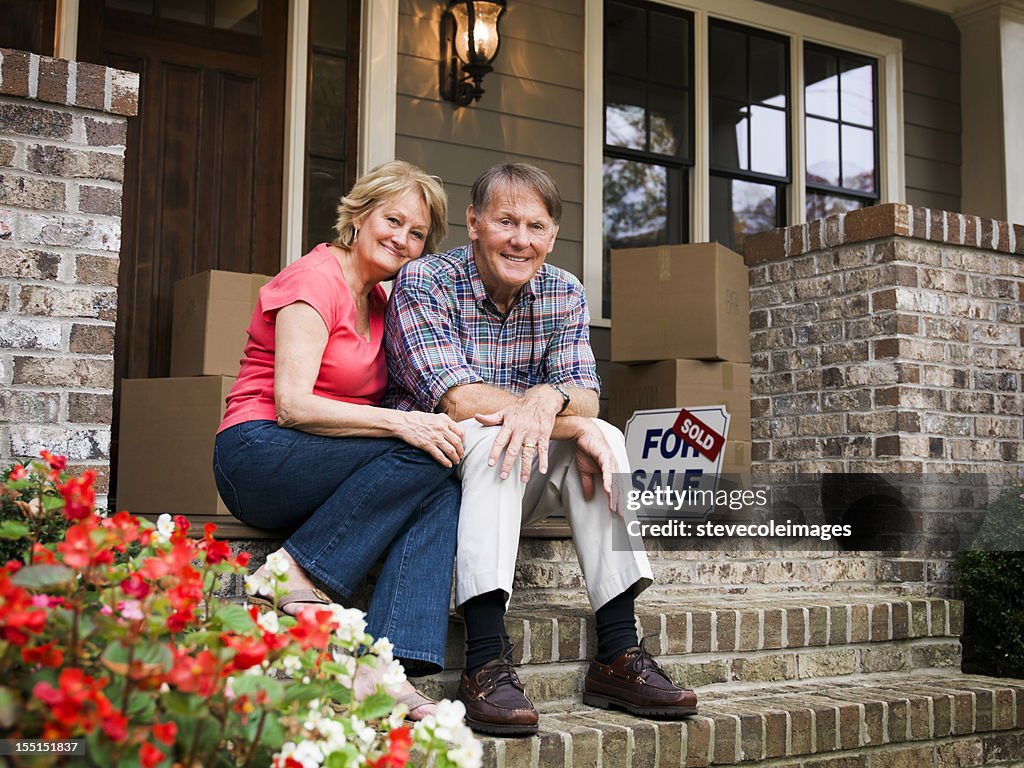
300, 338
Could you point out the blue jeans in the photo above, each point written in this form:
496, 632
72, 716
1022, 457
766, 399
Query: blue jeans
346, 501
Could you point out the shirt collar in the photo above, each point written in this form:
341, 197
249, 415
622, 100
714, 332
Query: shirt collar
528, 293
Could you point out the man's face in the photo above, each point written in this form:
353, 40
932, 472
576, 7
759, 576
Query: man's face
511, 238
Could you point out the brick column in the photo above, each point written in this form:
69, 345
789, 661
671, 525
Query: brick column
63, 126
890, 339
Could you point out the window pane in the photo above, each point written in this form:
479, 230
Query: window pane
325, 187
670, 49
237, 15
625, 48
821, 94
644, 204
729, 135
740, 208
728, 63
327, 106
624, 123
822, 152
670, 121
858, 159
192, 11
768, 72
820, 204
768, 141
858, 94
328, 24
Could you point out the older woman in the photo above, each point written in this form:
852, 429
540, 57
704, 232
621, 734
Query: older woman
305, 447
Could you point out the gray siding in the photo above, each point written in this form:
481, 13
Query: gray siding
531, 111
931, 88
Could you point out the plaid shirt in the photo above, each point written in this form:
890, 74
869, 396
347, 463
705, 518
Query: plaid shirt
443, 331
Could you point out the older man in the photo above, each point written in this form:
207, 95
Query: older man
500, 341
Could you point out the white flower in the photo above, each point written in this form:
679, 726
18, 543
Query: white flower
307, 753
291, 664
450, 714
363, 732
397, 717
256, 584
268, 620
467, 755
393, 677
277, 564
383, 648
164, 528
346, 676
351, 624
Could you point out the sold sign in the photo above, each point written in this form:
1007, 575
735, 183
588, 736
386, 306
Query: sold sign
698, 435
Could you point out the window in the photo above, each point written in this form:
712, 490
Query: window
842, 143
712, 121
748, 72
331, 125
648, 140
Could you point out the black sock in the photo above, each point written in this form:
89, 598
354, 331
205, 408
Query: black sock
486, 638
616, 627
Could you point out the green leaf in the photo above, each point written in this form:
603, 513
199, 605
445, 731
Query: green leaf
251, 684
51, 503
303, 694
183, 705
374, 707
141, 707
152, 655
234, 618
346, 757
13, 529
99, 753
10, 707
44, 577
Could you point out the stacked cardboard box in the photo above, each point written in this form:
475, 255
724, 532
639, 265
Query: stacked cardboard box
680, 321
167, 427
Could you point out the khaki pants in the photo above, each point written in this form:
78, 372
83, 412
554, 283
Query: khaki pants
493, 511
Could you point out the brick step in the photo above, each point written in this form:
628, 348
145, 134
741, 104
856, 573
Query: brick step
891, 720
724, 639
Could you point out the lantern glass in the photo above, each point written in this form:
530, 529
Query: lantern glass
485, 31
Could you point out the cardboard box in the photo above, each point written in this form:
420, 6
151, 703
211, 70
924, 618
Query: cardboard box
212, 311
680, 301
679, 383
165, 448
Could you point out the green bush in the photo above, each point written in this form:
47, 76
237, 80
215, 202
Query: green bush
991, 581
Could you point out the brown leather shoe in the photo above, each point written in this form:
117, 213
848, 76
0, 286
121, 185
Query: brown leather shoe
496, 703
634, 682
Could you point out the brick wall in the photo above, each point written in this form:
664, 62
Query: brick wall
889, 340
63, 126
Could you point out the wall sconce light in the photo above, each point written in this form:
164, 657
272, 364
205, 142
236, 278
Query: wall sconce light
469, 42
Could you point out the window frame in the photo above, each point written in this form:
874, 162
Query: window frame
799, 28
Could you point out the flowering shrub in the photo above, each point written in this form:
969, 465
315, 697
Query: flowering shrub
114, 634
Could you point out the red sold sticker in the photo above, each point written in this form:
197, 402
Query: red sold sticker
698, 435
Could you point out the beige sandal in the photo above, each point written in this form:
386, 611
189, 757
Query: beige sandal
310, 596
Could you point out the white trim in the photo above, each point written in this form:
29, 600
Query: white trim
293, 187
798, 28
65, 43
378, 83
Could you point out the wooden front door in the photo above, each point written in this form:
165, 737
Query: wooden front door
204, 162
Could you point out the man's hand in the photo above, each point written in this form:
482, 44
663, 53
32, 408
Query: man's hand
594, 457
526, 426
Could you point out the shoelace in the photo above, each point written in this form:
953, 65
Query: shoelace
644, 660
503, 674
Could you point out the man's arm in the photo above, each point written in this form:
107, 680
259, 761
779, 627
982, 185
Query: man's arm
468, 400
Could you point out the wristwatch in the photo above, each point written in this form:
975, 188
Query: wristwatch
565, 398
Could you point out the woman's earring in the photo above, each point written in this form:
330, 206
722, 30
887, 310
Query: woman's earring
355, 234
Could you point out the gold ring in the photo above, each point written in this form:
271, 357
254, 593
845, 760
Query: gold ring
529, 445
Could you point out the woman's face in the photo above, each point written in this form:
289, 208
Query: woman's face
393, 233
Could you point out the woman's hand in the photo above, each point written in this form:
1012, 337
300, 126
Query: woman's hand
434, 433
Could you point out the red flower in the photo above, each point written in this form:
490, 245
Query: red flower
55, 461
314, 628
42, 556
115, 725
135, 586
80, 548
150, 756
19, 617
18, 472
78, 704
194, 674
248, 652
165, 733
79, 496
400, 743
242, 559
45, 655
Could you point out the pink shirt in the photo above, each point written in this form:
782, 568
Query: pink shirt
352, 369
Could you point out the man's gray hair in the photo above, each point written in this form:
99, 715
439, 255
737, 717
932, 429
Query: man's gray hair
518, 176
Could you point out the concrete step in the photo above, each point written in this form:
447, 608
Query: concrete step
890, 720
713, 640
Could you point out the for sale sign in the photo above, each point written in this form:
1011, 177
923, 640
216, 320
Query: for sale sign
677, 450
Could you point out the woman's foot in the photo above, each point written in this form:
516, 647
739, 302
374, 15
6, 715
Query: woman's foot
367, 680
299, 590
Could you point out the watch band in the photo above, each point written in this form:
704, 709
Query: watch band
565, 398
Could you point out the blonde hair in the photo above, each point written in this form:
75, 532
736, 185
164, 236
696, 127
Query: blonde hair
387, 182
